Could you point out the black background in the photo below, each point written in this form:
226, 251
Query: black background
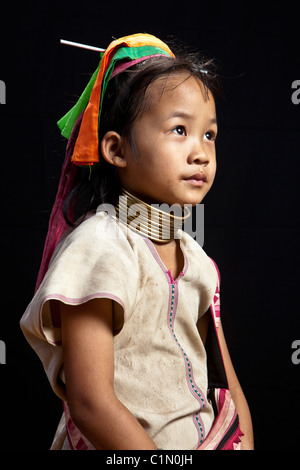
251, 214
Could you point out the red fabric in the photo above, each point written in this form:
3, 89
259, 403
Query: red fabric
57, 223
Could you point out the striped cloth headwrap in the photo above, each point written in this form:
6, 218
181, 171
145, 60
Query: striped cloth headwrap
81, 125
129, 50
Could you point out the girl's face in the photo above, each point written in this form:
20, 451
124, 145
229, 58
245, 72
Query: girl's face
172, 156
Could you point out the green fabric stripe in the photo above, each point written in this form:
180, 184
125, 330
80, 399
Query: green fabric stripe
67, 122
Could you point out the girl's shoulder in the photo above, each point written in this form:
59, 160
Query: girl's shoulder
199, 259
98, 232
96, 246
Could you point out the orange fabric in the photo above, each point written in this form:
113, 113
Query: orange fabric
86, 150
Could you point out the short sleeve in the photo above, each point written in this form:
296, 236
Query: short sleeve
96, 260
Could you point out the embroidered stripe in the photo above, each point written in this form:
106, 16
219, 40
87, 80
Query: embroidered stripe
215, 306
173, 297
189, 369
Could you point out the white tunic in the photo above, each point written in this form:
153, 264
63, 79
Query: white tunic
160, 361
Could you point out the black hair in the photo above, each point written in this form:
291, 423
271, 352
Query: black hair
124, 101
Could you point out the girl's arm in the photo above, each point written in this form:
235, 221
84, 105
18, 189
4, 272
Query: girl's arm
237, 395
87, 341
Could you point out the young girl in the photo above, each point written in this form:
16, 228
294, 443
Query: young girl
126, 314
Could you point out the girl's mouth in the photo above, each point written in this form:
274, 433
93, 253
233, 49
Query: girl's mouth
198, 179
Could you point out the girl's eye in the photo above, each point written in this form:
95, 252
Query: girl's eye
210, 135
180, 130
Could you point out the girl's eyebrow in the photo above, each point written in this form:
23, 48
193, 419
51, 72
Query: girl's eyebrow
180, 114
185, 115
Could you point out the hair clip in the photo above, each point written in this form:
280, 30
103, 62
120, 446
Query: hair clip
82, 46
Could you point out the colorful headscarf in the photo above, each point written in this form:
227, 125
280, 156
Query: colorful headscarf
81, 125
129, 50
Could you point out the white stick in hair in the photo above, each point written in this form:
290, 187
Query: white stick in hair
82, 46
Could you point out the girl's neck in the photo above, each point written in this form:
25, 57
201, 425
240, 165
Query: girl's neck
160, 226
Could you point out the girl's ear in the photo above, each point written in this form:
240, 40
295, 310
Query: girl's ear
111, 149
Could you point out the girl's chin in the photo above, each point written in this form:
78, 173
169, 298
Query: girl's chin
192, 201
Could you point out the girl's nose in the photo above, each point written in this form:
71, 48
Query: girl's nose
198, 155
